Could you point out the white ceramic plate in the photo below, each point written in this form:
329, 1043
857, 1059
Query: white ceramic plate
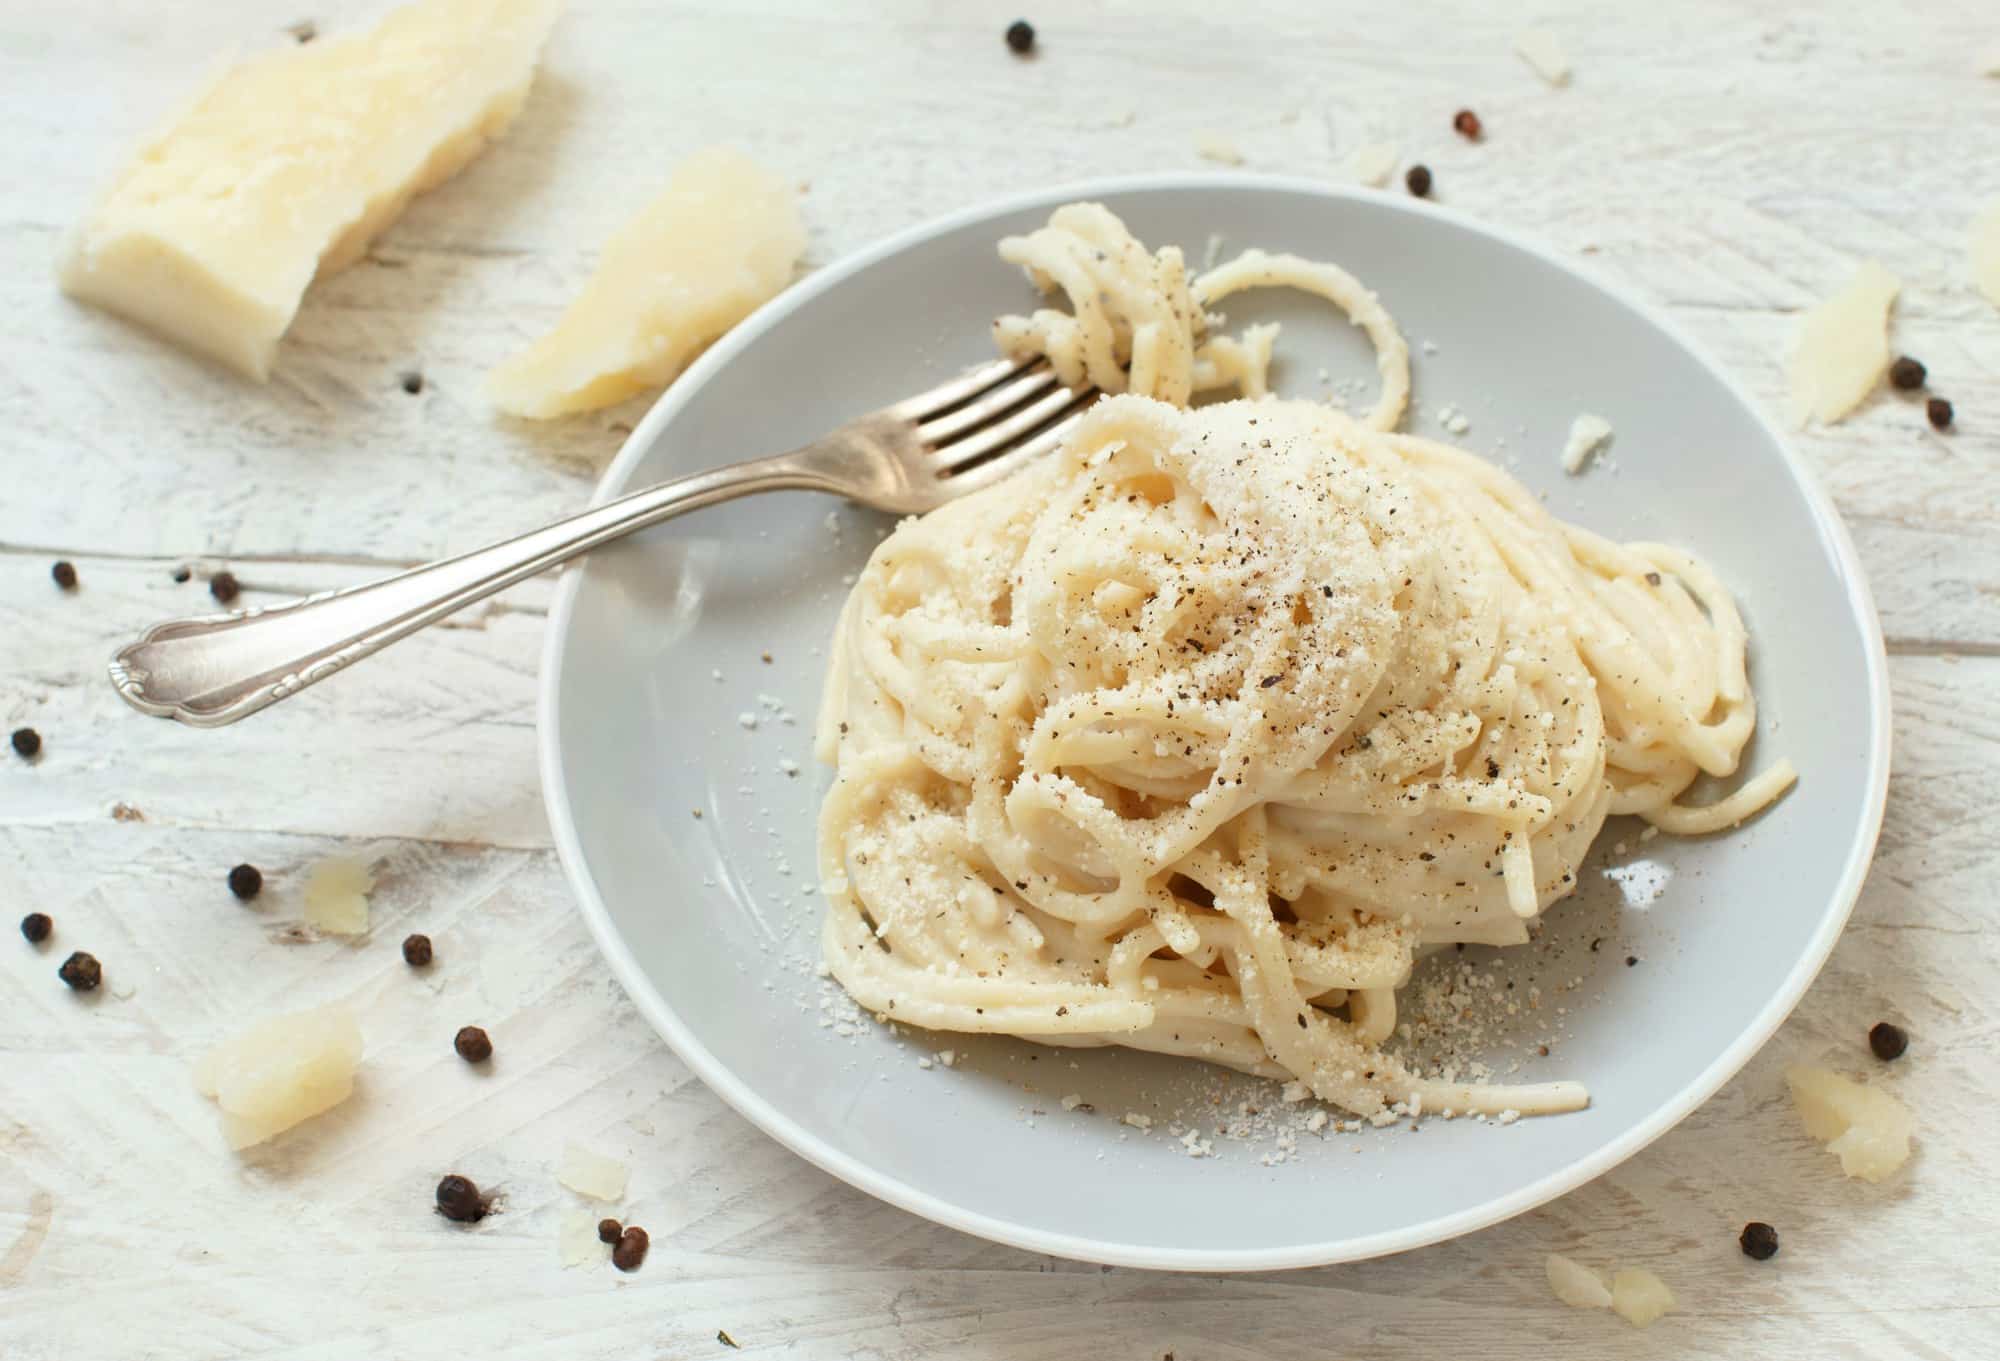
712, 924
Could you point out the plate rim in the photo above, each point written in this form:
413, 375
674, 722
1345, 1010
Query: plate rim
802, 1141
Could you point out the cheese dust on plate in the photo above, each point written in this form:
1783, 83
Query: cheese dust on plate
719, 241
289, 163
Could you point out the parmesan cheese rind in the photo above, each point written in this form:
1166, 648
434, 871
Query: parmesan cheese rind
721, 240
290, 162
1843, 348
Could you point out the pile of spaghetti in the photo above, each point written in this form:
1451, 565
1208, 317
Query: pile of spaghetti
1191, 737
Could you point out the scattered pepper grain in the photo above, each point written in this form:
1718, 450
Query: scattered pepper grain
1939, 412
609, 1230
1418, 180
81, 971
1887, 1040
246, 882
1467, 125
458, 1199
36, 927
64, 575
417, 950
473, 1044
1021, 37
1758, 1240
630, 1249
225, 587
27, 743
1907, 374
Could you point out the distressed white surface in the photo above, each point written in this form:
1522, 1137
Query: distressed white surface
1727, 161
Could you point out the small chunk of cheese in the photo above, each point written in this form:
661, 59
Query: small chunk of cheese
1639, 1296
281, 1072
1985, 248
576, 1238
1372, 163
1575, 1284
1211, 145
1843, 348
1540, 49
591, 1174
722, 239
1868, 1130
288, 164
337, 896
1587, 434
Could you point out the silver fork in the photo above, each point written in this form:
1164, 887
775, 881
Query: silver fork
907, 458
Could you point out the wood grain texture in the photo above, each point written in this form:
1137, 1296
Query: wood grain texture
1731, 161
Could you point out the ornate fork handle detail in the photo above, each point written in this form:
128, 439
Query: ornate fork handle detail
214, 670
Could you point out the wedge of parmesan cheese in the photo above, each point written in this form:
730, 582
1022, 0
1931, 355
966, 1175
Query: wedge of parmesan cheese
1540, 49
287, 165
1986, 252
279, 1073
721, 240
1843, 348
1868, 1130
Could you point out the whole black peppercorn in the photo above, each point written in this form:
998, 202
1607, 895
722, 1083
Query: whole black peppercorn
1888, 1041
81, 971
1021, 38
609, 1230
458, 1199
1759, 1240
64, 574
1466, 124
225, 587
1418, 180
27, 743
246, 882
36, 927
183, 574
417, 950
1907, 374
631, 1249
1939, 411
413, 382
473, 1044
1630, 960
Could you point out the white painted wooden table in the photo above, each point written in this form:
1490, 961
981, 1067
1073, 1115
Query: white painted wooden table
1728, 161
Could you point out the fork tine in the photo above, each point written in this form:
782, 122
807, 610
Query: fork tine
927, 405
988, 405
986, 474
992, 438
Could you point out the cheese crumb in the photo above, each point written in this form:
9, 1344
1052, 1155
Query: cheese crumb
719, 241
1373, 163
337, 896
1136, 1120
1587, 434
1868, 1130
291, 162
1639, 1296
1539, 48
1985, 250
1213, 146
591, 1174
1575, 1284
281, 1072
1843, 348
576, 1240
1071, 1102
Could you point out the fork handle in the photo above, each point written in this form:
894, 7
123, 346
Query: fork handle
212, 670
